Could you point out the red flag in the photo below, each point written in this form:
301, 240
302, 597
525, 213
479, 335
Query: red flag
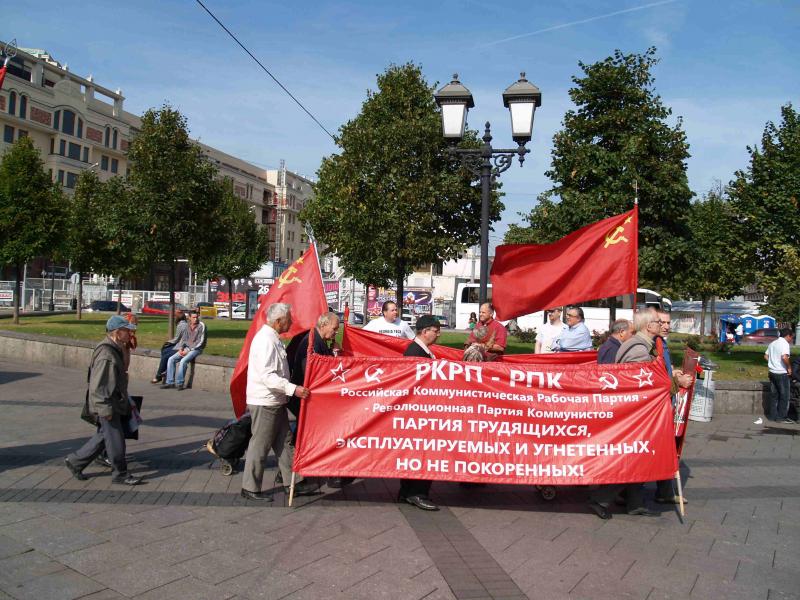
301, 286
597, 261
2, 75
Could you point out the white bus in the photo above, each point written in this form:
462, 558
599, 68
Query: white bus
596, 312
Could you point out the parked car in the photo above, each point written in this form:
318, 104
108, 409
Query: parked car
763, 336
409, 317
223, 311
443, 321
358, 318
158, 307
105, 306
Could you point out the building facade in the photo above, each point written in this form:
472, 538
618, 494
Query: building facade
292, 192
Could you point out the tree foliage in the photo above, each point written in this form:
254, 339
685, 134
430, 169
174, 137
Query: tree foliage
173, 191
616, 137
393, 199
32, 210
244, 246
766, 193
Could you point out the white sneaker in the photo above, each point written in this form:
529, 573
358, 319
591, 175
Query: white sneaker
758, 421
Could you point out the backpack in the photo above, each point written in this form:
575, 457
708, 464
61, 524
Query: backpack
230, 442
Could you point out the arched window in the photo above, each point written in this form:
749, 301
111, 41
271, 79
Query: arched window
12, 103
57, 120
23, 107
114, 145
107, 137
80, 128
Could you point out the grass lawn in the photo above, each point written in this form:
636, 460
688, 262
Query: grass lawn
225, 339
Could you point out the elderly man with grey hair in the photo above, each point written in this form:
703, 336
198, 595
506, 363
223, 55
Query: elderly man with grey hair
621, 330
268, 388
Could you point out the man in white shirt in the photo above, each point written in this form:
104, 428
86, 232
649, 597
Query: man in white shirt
777, 357
389, 323
549, 331
268, 388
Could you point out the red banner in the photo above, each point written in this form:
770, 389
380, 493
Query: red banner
357, 342
486, 422
596, 261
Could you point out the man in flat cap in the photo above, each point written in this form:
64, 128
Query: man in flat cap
415, 491
108, 400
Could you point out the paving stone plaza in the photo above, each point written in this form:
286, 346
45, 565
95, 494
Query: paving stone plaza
186, 533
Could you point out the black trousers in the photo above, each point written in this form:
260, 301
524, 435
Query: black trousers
109, 437
605, 494
415, 487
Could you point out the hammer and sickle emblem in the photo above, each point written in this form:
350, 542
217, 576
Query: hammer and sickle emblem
287, 277
615, 237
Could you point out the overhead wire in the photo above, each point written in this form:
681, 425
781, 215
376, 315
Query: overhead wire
267, 71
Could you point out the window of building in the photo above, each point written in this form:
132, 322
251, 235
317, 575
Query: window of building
107, 138
80, 128
23, 107
74, 151
8, 134
72, 179
86, 154
12, 103
17, 66
114, 165
104, 163
62, 147
52, 145
60, 178
22, 133
68, 122
57, 120
114, 143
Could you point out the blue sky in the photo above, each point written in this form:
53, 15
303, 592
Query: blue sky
726, 68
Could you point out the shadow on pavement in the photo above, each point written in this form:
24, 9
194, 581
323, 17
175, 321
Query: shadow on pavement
9, 376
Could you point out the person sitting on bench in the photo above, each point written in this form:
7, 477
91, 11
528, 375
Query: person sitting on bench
189, 347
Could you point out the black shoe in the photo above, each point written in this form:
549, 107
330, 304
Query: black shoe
76, 472
339, 482
167, 386
259, 496
642, 512
788, 421
304, 488
103, 462
422, 502
128, 480
279, 478
180, 388
600, 510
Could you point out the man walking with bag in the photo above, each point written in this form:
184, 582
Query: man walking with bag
107, 398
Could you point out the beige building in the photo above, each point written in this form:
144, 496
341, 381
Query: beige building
292, 192
78, 124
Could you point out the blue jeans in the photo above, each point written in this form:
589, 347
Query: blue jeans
184, 362
778, 396
166, 352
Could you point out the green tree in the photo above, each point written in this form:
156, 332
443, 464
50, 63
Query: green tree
616, 138
719, 254
242, 247
32, 210
765, 195
393, 198
172, 189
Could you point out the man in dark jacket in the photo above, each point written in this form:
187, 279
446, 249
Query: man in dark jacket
415, 491
108, 399
620, 331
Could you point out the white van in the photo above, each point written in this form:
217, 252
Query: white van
596, 312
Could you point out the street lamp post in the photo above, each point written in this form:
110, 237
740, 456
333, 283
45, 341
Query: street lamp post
521, 98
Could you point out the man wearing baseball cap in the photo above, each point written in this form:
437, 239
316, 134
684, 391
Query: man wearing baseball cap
108, 400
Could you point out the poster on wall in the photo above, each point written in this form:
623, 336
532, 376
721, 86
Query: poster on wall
418, 300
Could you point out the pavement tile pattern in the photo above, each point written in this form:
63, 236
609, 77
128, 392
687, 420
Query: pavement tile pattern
187, 533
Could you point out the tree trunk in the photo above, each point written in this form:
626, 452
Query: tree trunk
119, 295
714, 317
400, 291
15, 295
171, 298
230, 299
703, 310
78, 310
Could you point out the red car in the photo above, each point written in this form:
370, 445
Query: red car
154, 307
763, 336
